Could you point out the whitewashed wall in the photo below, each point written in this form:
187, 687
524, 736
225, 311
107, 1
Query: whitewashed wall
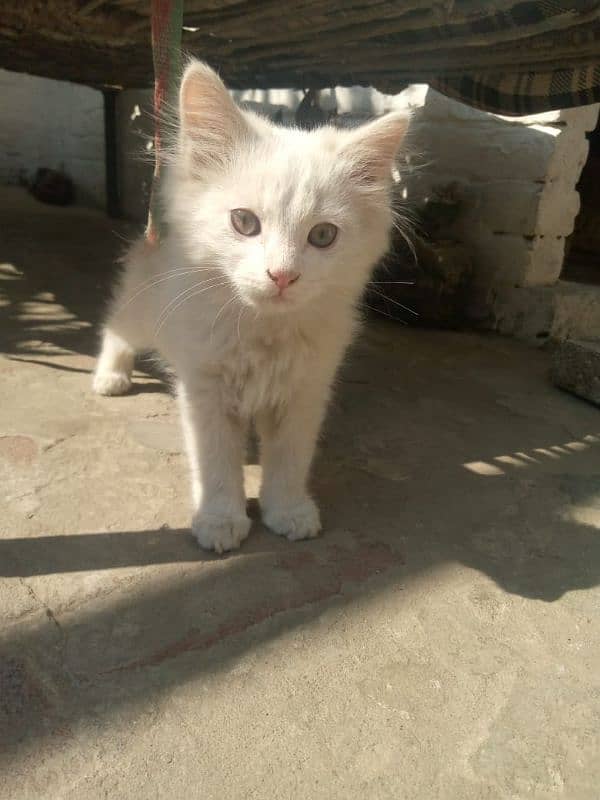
515, 180
46, 123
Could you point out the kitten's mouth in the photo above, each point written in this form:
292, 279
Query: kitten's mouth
280, 295
279, 301
275, 301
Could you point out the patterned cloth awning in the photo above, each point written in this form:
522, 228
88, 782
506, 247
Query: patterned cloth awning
525, 92
500, 55
540, 56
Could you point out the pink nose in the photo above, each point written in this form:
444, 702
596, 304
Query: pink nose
283, 279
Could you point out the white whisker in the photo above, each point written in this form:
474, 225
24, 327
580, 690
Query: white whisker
162, 277
404, 283
218, 314
180, 294
167, 312
395, 302
383, 313
243, 308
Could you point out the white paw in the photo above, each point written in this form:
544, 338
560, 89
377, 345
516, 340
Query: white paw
220, 533
111, 383
299, 521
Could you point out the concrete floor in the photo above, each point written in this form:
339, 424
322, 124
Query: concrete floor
441, 640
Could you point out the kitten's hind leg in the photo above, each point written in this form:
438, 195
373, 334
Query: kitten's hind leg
115, 365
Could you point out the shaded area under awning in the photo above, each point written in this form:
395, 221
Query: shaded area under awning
504, 56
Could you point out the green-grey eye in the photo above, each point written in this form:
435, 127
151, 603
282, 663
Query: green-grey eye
245, 222
323, 234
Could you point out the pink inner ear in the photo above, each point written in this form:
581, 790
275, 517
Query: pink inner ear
209, 117
373, 147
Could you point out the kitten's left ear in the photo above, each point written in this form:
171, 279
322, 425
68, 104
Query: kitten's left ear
372, 148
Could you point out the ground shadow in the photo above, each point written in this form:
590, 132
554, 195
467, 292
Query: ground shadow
440, 450
178, 627
490, 535
67, 265
55, 287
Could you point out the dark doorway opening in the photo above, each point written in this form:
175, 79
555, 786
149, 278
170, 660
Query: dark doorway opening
582, 254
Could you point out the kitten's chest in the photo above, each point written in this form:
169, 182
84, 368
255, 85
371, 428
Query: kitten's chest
264, 372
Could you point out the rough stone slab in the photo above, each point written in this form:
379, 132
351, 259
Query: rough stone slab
576, 368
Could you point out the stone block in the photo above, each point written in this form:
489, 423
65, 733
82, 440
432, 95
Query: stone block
545, 261
514, 260
568, 156
576, 368
577, 311
524, 207
492, 150
525, 313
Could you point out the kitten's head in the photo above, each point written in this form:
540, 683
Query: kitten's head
287, 215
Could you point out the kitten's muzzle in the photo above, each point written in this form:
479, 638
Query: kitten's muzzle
283, 279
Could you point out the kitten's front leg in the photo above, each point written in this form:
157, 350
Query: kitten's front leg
215, 442
288, 442
115, 364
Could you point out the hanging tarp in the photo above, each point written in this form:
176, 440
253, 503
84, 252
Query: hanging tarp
501, 55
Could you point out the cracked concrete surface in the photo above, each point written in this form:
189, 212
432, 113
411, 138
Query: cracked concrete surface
441, 640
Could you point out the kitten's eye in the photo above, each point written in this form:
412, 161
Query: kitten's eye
245, 222
323, 234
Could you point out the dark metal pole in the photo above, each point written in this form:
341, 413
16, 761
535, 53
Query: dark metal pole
113, 199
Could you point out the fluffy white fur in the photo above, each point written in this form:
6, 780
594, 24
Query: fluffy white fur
241, 350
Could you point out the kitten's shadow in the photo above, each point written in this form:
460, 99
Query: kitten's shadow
49, 555
149, 387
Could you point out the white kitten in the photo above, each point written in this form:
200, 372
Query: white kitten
251, 295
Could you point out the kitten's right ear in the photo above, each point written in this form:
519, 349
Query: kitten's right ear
211, 124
